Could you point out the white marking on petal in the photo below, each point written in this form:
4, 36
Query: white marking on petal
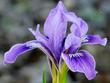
84, 39
75, 55
32, 31
32, 45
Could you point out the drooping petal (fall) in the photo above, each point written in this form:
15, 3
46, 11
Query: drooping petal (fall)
55, 28
18, 49
95, 39
81, 62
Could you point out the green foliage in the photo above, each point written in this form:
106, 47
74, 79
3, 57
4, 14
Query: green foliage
63, 73
59, 75
54, 72
44, 76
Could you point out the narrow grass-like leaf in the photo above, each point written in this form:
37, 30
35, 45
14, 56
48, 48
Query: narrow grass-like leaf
63, 73
44, 76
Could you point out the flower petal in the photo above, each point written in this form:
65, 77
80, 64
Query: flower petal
71, 17
18, 49
95, 39
80, 28
72, 42
40, 37
81, 62
37, 32
83, 27
54, 19
55, 28
75, 30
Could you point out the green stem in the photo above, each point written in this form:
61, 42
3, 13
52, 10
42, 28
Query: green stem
59, 76
54, 74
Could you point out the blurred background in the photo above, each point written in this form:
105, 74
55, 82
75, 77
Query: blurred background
16, 16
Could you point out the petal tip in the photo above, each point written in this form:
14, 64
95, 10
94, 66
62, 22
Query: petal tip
31, 30
60, 5
92, 76
38, 25
7, 60
104, 42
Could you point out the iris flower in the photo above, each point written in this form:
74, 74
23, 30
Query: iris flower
58, 45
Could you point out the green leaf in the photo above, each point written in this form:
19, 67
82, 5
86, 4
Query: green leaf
65, 79
62, 73
44, 76
54, 73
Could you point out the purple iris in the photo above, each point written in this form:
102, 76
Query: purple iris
57, 45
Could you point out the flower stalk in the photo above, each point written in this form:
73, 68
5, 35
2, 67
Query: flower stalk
59, 75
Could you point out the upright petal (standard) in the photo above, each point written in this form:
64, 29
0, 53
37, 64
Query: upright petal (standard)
55, 28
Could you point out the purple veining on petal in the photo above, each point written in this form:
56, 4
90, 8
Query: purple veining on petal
81, 62
72, 42
18, 49
95, 39
80, 28
55, 28
55, 44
